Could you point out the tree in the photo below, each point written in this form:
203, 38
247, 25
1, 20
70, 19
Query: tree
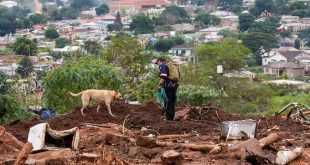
4, 86
82, 4
102, 9
259, 43
6, 27
172, 15
62, 42
126, 52
205, 19
297, 43
38, 19
78, 75
228, 33
270, 26
164, 45
24, 46
110, 27
246, 20
141, 24
118, 24
25, 67
263, 5
51, 33
92, 47
231, 5
229, 53
304, 35
7, 21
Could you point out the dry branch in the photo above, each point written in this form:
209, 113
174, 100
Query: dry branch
23, 154
273, 137
162, 137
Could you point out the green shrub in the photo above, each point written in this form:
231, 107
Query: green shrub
196, 95
10, 110
75, 76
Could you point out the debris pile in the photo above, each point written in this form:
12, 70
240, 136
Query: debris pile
139, 135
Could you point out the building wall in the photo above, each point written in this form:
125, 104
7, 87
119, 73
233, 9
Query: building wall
274, 58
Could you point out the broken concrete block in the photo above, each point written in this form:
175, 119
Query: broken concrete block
171, 157
145, 141
116, 139
133, 151
285, 157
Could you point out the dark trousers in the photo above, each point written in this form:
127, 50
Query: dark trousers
171, 93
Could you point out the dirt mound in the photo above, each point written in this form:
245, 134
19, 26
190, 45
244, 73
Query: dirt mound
150, 116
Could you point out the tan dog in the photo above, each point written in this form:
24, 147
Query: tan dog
99, 96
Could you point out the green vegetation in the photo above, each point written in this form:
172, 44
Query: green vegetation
75, 76
92, 47
164, 45
38, 19
231, 5
51, 33
25, 67
172, 15
205, 20
62, 42
102, 9
141, 24
10, 108
24, 46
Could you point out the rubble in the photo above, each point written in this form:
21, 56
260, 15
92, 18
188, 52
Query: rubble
139, 135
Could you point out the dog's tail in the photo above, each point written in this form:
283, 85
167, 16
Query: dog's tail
73, 94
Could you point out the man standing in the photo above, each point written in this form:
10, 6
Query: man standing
169, 86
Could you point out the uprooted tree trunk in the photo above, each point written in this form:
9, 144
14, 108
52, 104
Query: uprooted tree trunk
254, 148
194, 147
23, 154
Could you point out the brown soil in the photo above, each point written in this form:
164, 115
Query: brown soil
206, 124
150, 116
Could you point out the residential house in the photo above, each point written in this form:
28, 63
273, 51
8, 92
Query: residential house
182, 53
67, 49
296, 27
136, 6
248, 4
284, 54
164, 34
43, 66
230, 20
305, 20
304, 59
8, 64
183, 27
90, 12
8, 4
289, 19
209, 34
281, 68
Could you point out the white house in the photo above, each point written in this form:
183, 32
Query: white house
281, 54
67, 49
182, 53
8, 4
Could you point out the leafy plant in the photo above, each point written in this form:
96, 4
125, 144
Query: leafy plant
196, 95
75, 76
10, 110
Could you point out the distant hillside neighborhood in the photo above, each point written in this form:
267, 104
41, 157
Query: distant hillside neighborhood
276, 32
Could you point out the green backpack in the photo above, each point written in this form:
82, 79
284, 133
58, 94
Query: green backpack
174, 74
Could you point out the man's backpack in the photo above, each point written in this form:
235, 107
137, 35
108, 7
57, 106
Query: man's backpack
174, 74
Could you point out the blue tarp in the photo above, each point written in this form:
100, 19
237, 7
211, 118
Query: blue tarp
46, 113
